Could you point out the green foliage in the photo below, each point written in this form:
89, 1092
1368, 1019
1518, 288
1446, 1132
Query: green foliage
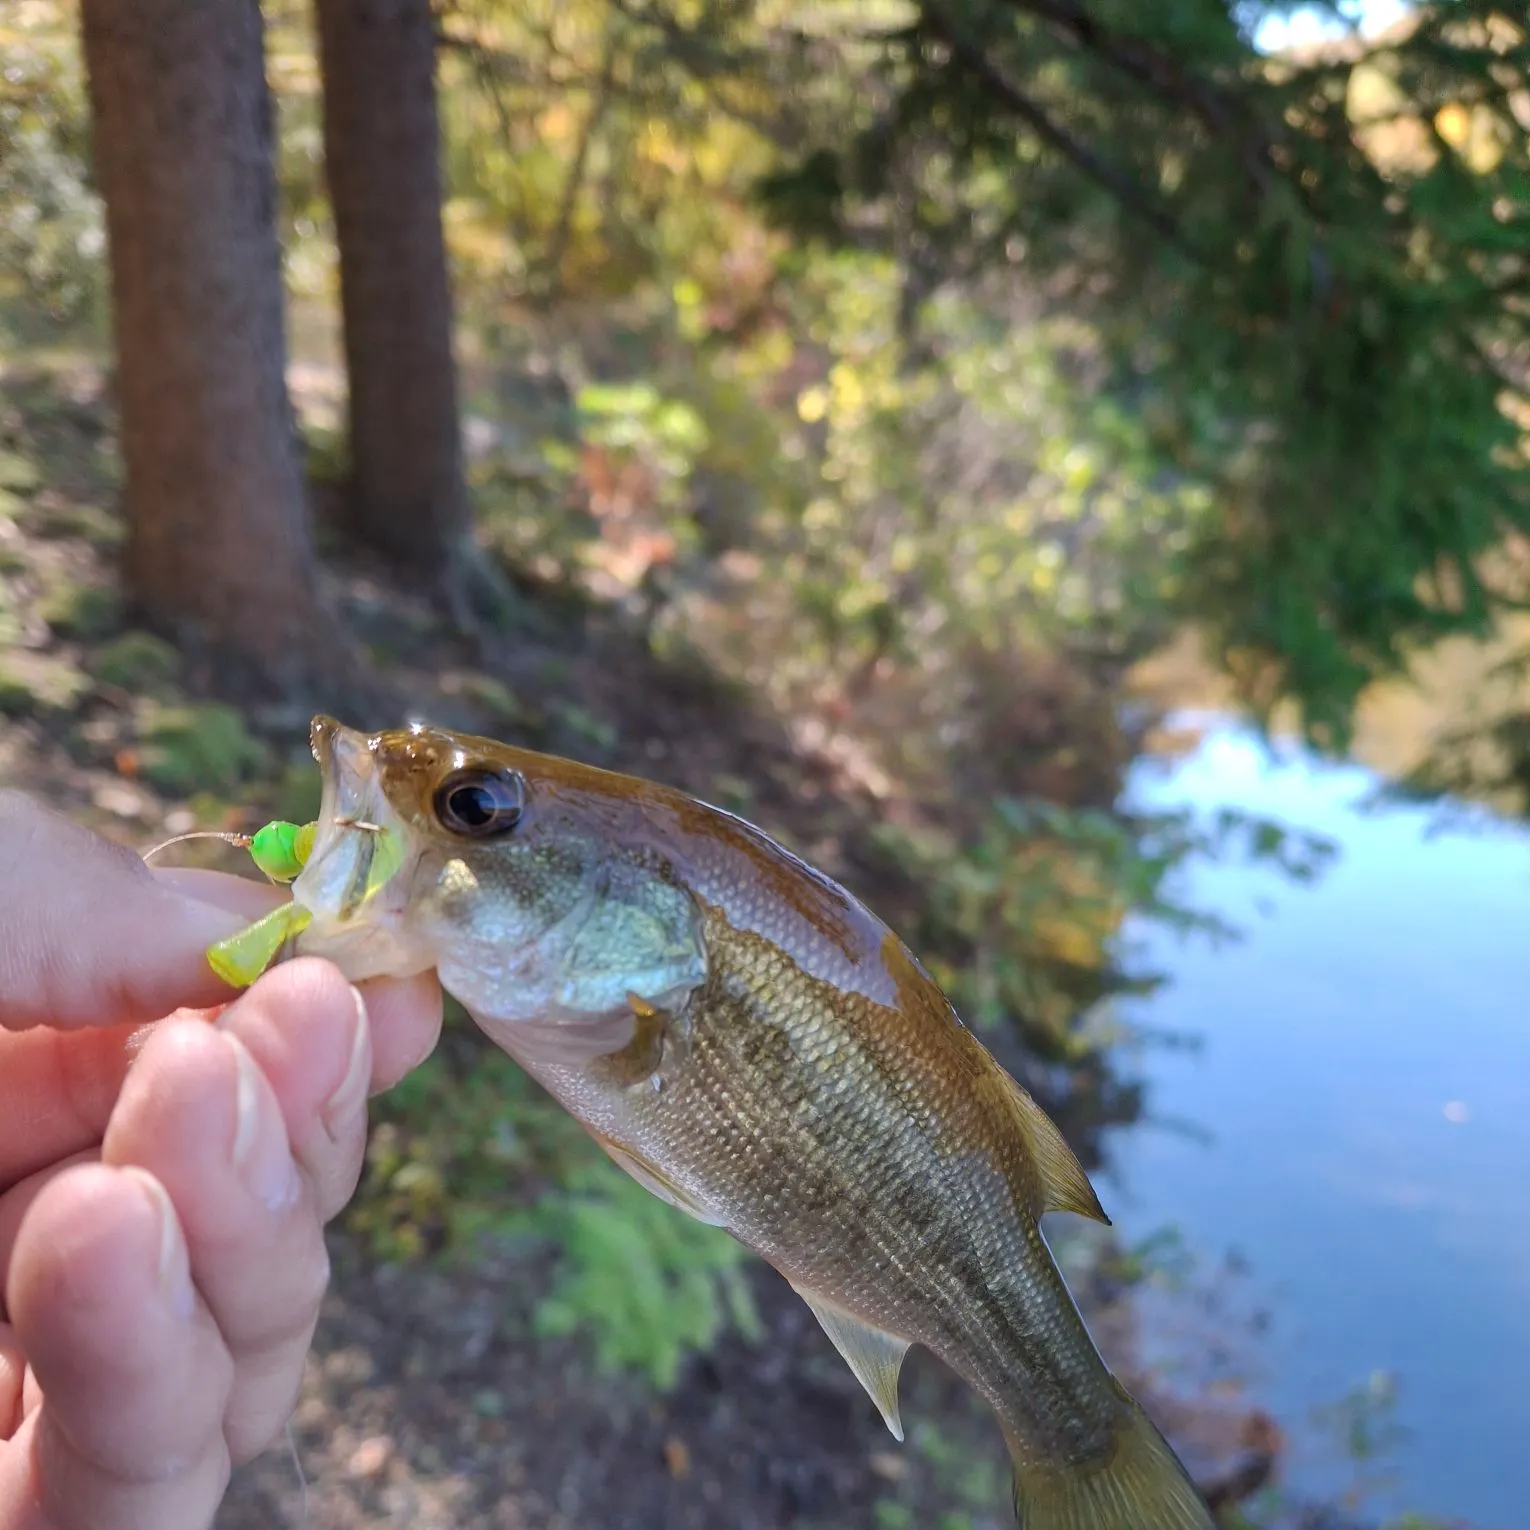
1094, 319
1162, 1258
1286, 398
1314, 300
298, 792
76, 610
648, 1283
1364, 1420
470, 1150
51, 236
634, 423
19, 474
35, 684
1023, 922
977, 1480
138, 662
202, 746
459, 1147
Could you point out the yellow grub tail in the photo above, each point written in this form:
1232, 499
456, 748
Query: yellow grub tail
1142, 1486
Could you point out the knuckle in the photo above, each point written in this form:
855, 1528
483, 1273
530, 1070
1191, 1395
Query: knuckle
306, 1286
305, 1289
275, 1313
339, 1183
316, 1285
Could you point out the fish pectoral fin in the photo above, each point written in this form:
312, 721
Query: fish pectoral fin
1064, 1184
874, 1355
655, 1180
632, 1035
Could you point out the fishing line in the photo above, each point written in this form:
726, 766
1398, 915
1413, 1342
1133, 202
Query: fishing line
297, 1466
239, 841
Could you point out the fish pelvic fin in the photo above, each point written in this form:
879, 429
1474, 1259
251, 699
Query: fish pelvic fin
559, 1038
654, 1180
1064, 1184
875, 1356
1141, 1485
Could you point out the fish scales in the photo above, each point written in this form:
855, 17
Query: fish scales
776, 1079
751, 1043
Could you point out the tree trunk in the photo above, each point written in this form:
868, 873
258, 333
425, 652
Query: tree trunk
381, 150
220, 550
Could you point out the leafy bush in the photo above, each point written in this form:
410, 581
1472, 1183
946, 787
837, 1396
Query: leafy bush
1022, 923
138, 662
51, 234
469, 1149
648, 1283
202, 746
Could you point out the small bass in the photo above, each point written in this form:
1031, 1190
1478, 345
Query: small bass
755, 1047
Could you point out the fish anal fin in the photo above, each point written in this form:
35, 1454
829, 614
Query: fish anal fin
654, 1180
1139, 1484
874, 1355
1064, 1184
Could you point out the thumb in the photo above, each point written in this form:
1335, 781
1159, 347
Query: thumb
90, 936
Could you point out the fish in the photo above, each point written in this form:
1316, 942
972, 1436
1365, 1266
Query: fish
755, 1047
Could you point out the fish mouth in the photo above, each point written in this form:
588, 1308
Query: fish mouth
352, 882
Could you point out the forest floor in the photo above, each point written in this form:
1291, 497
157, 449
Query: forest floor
428, 1404
429, 1400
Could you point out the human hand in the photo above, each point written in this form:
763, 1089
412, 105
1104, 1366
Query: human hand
164, 1183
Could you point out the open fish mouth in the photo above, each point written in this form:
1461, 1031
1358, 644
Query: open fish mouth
359, 844
355, 883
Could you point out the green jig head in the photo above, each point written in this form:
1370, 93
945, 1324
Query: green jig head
281, 850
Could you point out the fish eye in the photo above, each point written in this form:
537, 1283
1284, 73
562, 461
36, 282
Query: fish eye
480, 804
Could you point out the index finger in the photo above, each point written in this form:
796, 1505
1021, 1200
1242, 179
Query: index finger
90, 936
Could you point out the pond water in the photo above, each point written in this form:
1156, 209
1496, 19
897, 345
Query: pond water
1359, 1105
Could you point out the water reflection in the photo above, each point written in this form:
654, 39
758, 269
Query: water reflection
1364, 1090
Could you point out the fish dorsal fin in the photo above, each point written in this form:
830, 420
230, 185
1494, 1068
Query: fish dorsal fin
654, 1180
1064, 1185
875, 1356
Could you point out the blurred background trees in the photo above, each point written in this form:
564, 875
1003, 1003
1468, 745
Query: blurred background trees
855, 393
219, 549
382, 168
1295, 285
1309, 274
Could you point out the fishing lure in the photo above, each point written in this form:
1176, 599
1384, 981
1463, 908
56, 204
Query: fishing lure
241, 958
280, 850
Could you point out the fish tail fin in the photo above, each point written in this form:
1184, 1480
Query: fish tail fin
1141, 1485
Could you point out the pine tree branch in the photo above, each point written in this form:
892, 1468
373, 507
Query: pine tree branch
1139, 61
1128, 192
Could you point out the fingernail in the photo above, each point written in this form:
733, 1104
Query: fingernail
351, 1094
174, 1262
261, 1153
